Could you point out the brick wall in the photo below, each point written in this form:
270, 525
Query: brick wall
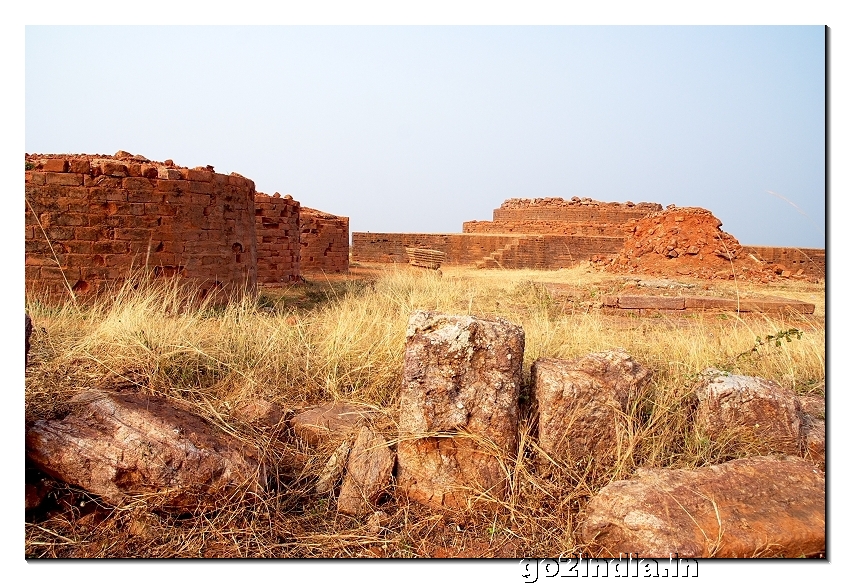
278, 224
544, 227
324, 242
545, 251
811, 261
90, 218
574, 214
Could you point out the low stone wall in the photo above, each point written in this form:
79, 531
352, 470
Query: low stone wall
545, 227
91, 218
575, 210
811, 261
278, 231
543, 252
324, 242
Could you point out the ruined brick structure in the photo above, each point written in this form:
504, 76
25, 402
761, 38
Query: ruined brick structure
549, 233
278, 224
811, 261
545, 233
508, 251
324, 242
91, 218
557, 216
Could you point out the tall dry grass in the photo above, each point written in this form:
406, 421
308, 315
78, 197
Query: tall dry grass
345, 340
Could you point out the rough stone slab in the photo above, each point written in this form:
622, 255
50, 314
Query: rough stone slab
318, 423
116, 446
709, 303
755, 507
333, 469
756, 408
369, 473
581, 403
610, 301
775, 304
812, 417
458, 405
259, 413
649, 302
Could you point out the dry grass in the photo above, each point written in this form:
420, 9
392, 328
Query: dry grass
344, 339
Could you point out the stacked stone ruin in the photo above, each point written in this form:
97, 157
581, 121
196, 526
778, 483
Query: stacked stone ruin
550, 233
92, 219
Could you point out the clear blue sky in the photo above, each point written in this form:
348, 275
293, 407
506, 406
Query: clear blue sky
418, 129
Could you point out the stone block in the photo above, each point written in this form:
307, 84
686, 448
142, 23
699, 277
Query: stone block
318, 423
458, 407
79, 166
369, 473
751, 408
55, 165
122, 445
581, 404
747, 508
651, 302
66, 179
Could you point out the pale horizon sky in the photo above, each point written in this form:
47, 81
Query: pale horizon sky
417, 129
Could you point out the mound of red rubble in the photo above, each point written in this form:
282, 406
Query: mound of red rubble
685, 241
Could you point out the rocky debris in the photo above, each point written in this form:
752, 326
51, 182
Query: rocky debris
369, 473
458, 405
812, 416
581, 403
685, 241
333, 469
316, 424
750, 408
754, 507
27, 334
377, 522
259, 413
121, 445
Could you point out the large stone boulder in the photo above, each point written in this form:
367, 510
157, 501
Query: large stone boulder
458, 405
316, 424
369, 473
813, 426
581, 403
755, 507
122, 445
749, 408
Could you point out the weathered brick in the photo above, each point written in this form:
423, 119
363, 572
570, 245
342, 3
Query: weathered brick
71, 220
168, 174
80, 166
197, 175
60, 233
55, 165
35, 178
63, 179
88, 233
103, 247
137, 183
